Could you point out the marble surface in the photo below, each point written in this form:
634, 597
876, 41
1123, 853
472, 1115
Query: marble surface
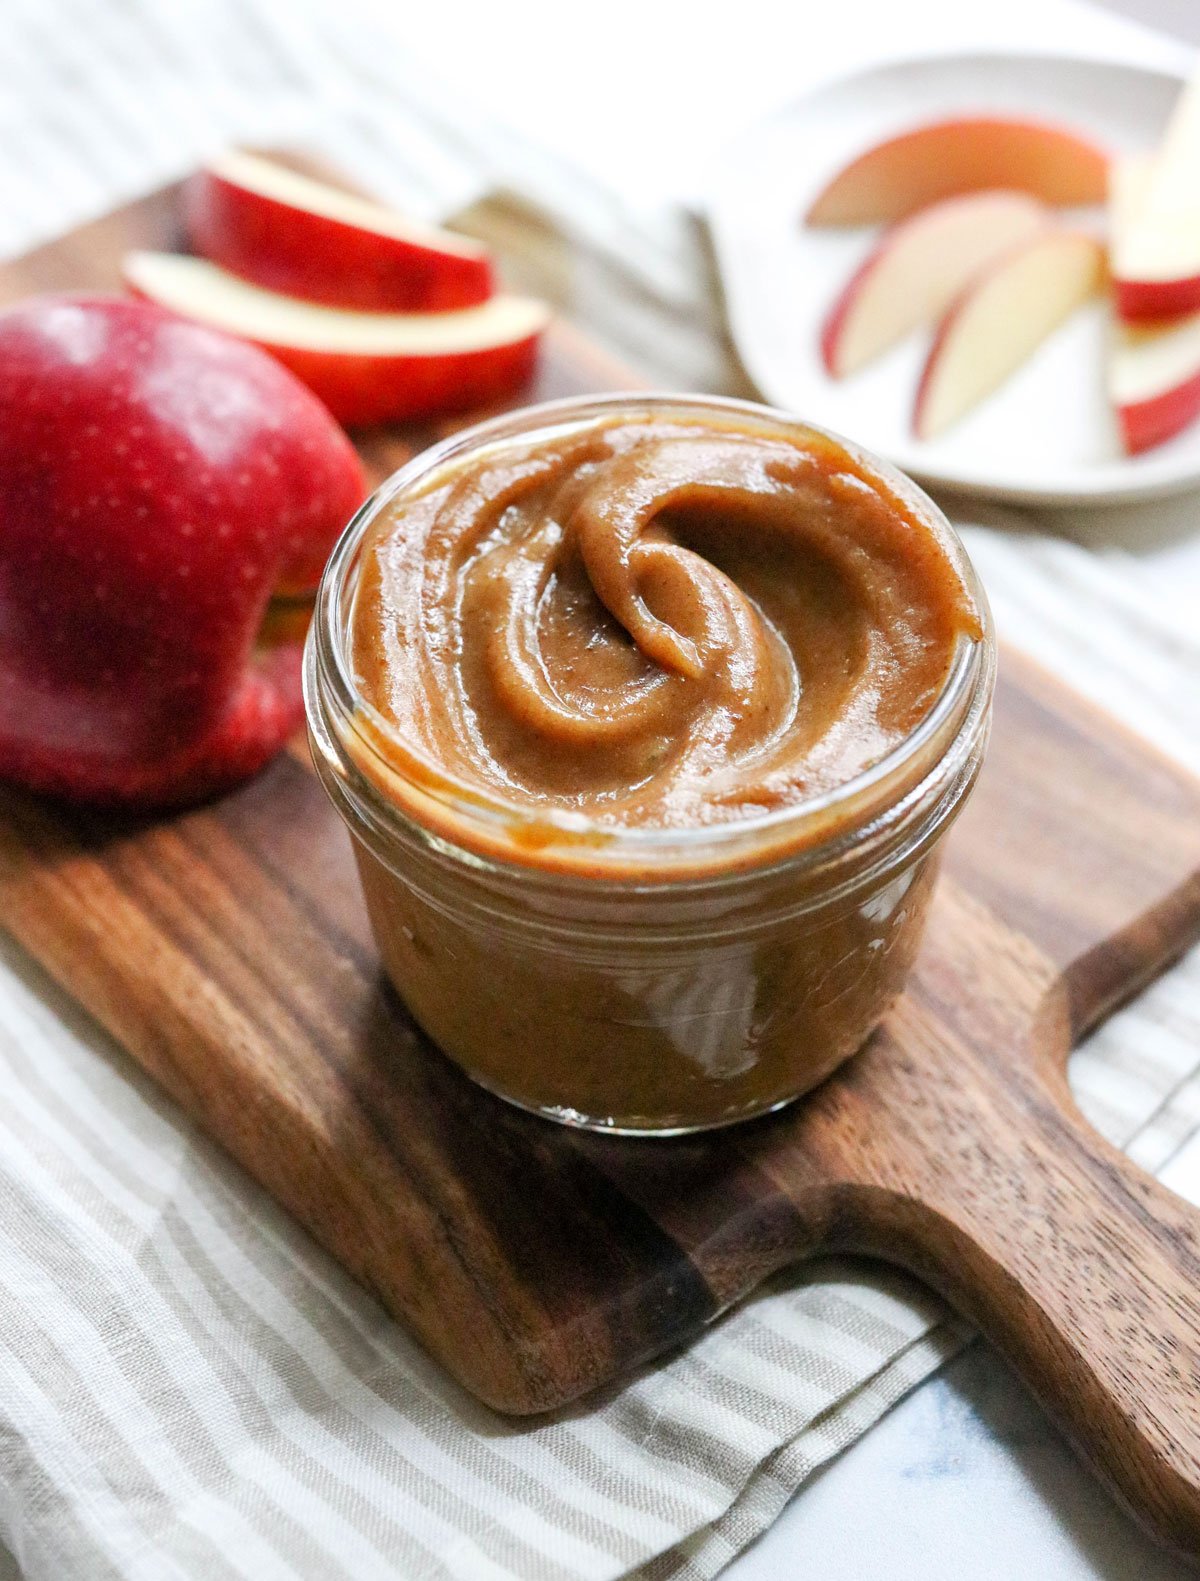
965, 1478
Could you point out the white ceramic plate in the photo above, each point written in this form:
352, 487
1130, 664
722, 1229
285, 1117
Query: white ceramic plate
1046, 437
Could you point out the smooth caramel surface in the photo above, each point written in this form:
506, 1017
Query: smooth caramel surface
662, 623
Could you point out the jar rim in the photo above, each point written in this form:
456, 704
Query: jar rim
507, 827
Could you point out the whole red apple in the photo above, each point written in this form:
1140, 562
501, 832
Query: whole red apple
159, 482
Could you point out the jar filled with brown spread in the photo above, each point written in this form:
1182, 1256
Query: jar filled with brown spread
647, 715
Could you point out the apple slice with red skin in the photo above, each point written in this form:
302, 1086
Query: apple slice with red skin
962, 154
367, 367
288, 232
917, 269
1153, 358
1001, 318
1154, 380
159, 483
1154, 206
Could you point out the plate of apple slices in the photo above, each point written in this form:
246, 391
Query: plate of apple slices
986, 267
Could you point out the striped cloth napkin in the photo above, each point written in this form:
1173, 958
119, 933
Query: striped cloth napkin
189, 1388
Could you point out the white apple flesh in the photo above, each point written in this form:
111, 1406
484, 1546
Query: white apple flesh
367, 367
962, 154
288, 232
917, 269
1001, 318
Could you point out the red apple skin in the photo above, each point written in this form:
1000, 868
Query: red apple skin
159, 482
831, 329
940, 336
365, 391
1145, 424
322, 259
1141, 300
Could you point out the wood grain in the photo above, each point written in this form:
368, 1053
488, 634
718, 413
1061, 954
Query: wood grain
228, 950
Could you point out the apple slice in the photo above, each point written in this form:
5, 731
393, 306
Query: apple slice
287, 232
1154, 380
963, 154
1001, 318
1155, 208
367, 367
917, 270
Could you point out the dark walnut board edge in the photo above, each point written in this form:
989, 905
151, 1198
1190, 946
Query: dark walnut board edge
227, 950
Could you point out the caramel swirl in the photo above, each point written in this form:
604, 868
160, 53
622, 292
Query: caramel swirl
655, 623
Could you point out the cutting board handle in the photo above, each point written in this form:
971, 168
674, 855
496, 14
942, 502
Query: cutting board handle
984, 1178
1088, 1280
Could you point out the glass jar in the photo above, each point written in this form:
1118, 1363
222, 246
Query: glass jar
642, 979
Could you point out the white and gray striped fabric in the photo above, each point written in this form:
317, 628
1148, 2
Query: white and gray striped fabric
188, 1387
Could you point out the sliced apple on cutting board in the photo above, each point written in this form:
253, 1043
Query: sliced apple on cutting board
367, 367
288, 232
1001, 318
1154, 203
964, 154
917, 269
1154, 380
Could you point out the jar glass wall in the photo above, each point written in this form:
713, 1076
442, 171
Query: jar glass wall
641, 979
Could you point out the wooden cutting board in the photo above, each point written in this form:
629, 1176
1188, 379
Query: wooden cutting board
228, 950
